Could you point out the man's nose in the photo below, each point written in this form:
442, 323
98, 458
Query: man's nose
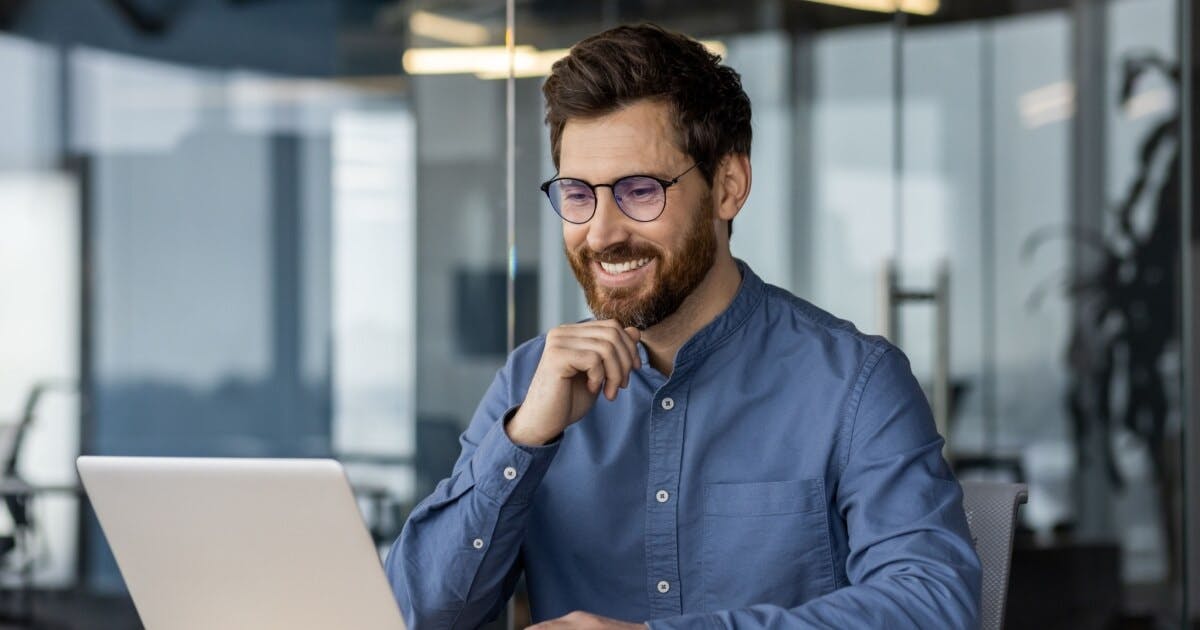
609, 225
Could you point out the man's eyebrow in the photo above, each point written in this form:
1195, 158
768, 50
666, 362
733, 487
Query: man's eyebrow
636, 173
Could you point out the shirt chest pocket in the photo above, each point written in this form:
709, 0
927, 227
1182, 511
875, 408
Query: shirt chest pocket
765, 543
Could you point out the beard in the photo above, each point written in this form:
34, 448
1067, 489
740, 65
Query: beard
676, 274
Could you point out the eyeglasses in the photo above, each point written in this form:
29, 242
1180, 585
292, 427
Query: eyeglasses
641, 197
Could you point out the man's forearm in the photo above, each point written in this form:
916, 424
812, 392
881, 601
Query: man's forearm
920, 601
526, 431
455, 563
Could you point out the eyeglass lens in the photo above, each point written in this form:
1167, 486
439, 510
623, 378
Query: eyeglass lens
641, 198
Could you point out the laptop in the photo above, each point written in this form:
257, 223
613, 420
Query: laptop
240, 543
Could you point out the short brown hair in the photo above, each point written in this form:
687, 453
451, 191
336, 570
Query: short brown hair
626, 64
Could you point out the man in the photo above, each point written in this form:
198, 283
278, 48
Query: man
710, 451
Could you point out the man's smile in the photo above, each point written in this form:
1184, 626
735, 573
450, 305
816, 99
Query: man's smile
622, 274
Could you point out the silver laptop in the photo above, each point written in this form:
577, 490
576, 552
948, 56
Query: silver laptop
240, 543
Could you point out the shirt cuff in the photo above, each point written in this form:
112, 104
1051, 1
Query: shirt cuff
507, 472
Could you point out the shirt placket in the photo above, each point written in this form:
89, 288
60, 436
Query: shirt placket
662, 493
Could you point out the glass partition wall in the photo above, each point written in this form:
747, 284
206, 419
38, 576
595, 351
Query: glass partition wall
314, 229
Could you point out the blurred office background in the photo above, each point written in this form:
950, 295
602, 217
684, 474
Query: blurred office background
312, 228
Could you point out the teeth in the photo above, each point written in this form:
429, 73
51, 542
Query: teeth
619, 268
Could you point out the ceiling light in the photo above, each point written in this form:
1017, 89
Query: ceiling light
916, 7
448, 29
491, 62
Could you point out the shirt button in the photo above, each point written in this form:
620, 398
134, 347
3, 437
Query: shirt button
477, 543
662, 496
510, 473
664, 586
668, 403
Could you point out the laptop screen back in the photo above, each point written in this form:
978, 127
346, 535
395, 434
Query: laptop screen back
240, 543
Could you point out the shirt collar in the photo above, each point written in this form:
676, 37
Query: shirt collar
748, 296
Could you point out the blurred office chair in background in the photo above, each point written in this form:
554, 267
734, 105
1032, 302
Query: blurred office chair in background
991, 516
17, 554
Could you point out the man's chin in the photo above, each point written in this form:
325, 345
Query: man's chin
616, 299
625, 313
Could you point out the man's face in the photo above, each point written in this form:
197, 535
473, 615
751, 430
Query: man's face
636, 273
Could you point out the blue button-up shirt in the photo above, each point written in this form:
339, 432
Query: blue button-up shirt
787, 475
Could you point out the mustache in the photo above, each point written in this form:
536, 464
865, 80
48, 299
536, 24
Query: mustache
619, 252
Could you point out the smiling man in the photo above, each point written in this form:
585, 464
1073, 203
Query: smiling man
709, 451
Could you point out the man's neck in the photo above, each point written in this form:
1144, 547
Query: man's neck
706, 302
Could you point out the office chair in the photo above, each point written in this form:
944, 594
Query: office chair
17, 494
12, 436
991, 516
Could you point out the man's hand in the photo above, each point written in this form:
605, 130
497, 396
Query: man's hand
579, 361
586, 621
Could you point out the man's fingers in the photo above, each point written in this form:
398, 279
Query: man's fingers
632, 337
605, 343
609, 368
594, 370
625, 339
580, 620
621, 345
614, 364
616, 356
575, 619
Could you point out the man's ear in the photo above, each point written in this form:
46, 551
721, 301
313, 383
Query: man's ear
731, 185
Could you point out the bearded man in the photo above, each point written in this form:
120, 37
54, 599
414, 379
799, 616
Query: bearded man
709, 451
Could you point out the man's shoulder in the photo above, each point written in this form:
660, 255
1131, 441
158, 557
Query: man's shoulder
790, 314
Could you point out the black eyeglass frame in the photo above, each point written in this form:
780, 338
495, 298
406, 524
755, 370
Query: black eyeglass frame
665, 183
